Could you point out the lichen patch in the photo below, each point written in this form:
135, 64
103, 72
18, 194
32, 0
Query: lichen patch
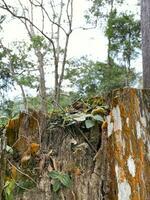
124, 191
143, 121
110, 126
148, 148
117, 118
138, 130
131, 166
127, 121
123, 146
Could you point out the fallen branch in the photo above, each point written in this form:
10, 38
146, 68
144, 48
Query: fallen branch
86, 139
23, 173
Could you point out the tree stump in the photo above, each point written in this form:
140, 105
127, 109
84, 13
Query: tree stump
115, 162
128, 146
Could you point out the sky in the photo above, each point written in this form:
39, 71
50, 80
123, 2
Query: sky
83, 42
91, 43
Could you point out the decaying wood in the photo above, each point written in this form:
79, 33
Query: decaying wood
119, 170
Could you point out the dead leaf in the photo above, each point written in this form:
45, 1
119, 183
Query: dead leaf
99, 111
13, 172
104, 125
26, 156
77, 172
34, 148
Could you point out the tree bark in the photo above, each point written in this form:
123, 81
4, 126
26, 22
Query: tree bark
128, 144
42, 88
25, 103
109, 58
145, 26
111, 163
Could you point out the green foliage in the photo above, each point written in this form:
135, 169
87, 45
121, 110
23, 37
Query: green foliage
98, 118
123, 32
9, 189
60, 179
8, 109
3, 121
22, 185
37, 42
100, 9
5, 77
15, 67
65, 100
89, 123
28, 80
92, 78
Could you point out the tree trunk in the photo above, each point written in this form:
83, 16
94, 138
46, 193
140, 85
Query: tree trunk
145, 25
111, 163
127, 170
56, 84
2, 162
42, 88
61, 77
25, 103
109, 58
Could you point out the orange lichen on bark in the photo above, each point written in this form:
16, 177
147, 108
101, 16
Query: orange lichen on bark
127, 144
125, 141
141, 150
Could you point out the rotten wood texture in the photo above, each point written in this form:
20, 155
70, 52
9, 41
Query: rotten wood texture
128, 146
119, 170
30, 125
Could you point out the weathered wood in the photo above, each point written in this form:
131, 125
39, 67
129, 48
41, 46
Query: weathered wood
129, 145
120, 168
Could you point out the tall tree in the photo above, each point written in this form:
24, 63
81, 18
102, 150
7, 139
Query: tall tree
54, 24
5, 79
123, 31
16, 66
90, 78
104, 9
145, 26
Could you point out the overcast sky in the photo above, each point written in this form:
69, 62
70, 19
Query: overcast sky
82, 42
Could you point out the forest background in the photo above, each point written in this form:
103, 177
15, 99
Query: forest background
49, 56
